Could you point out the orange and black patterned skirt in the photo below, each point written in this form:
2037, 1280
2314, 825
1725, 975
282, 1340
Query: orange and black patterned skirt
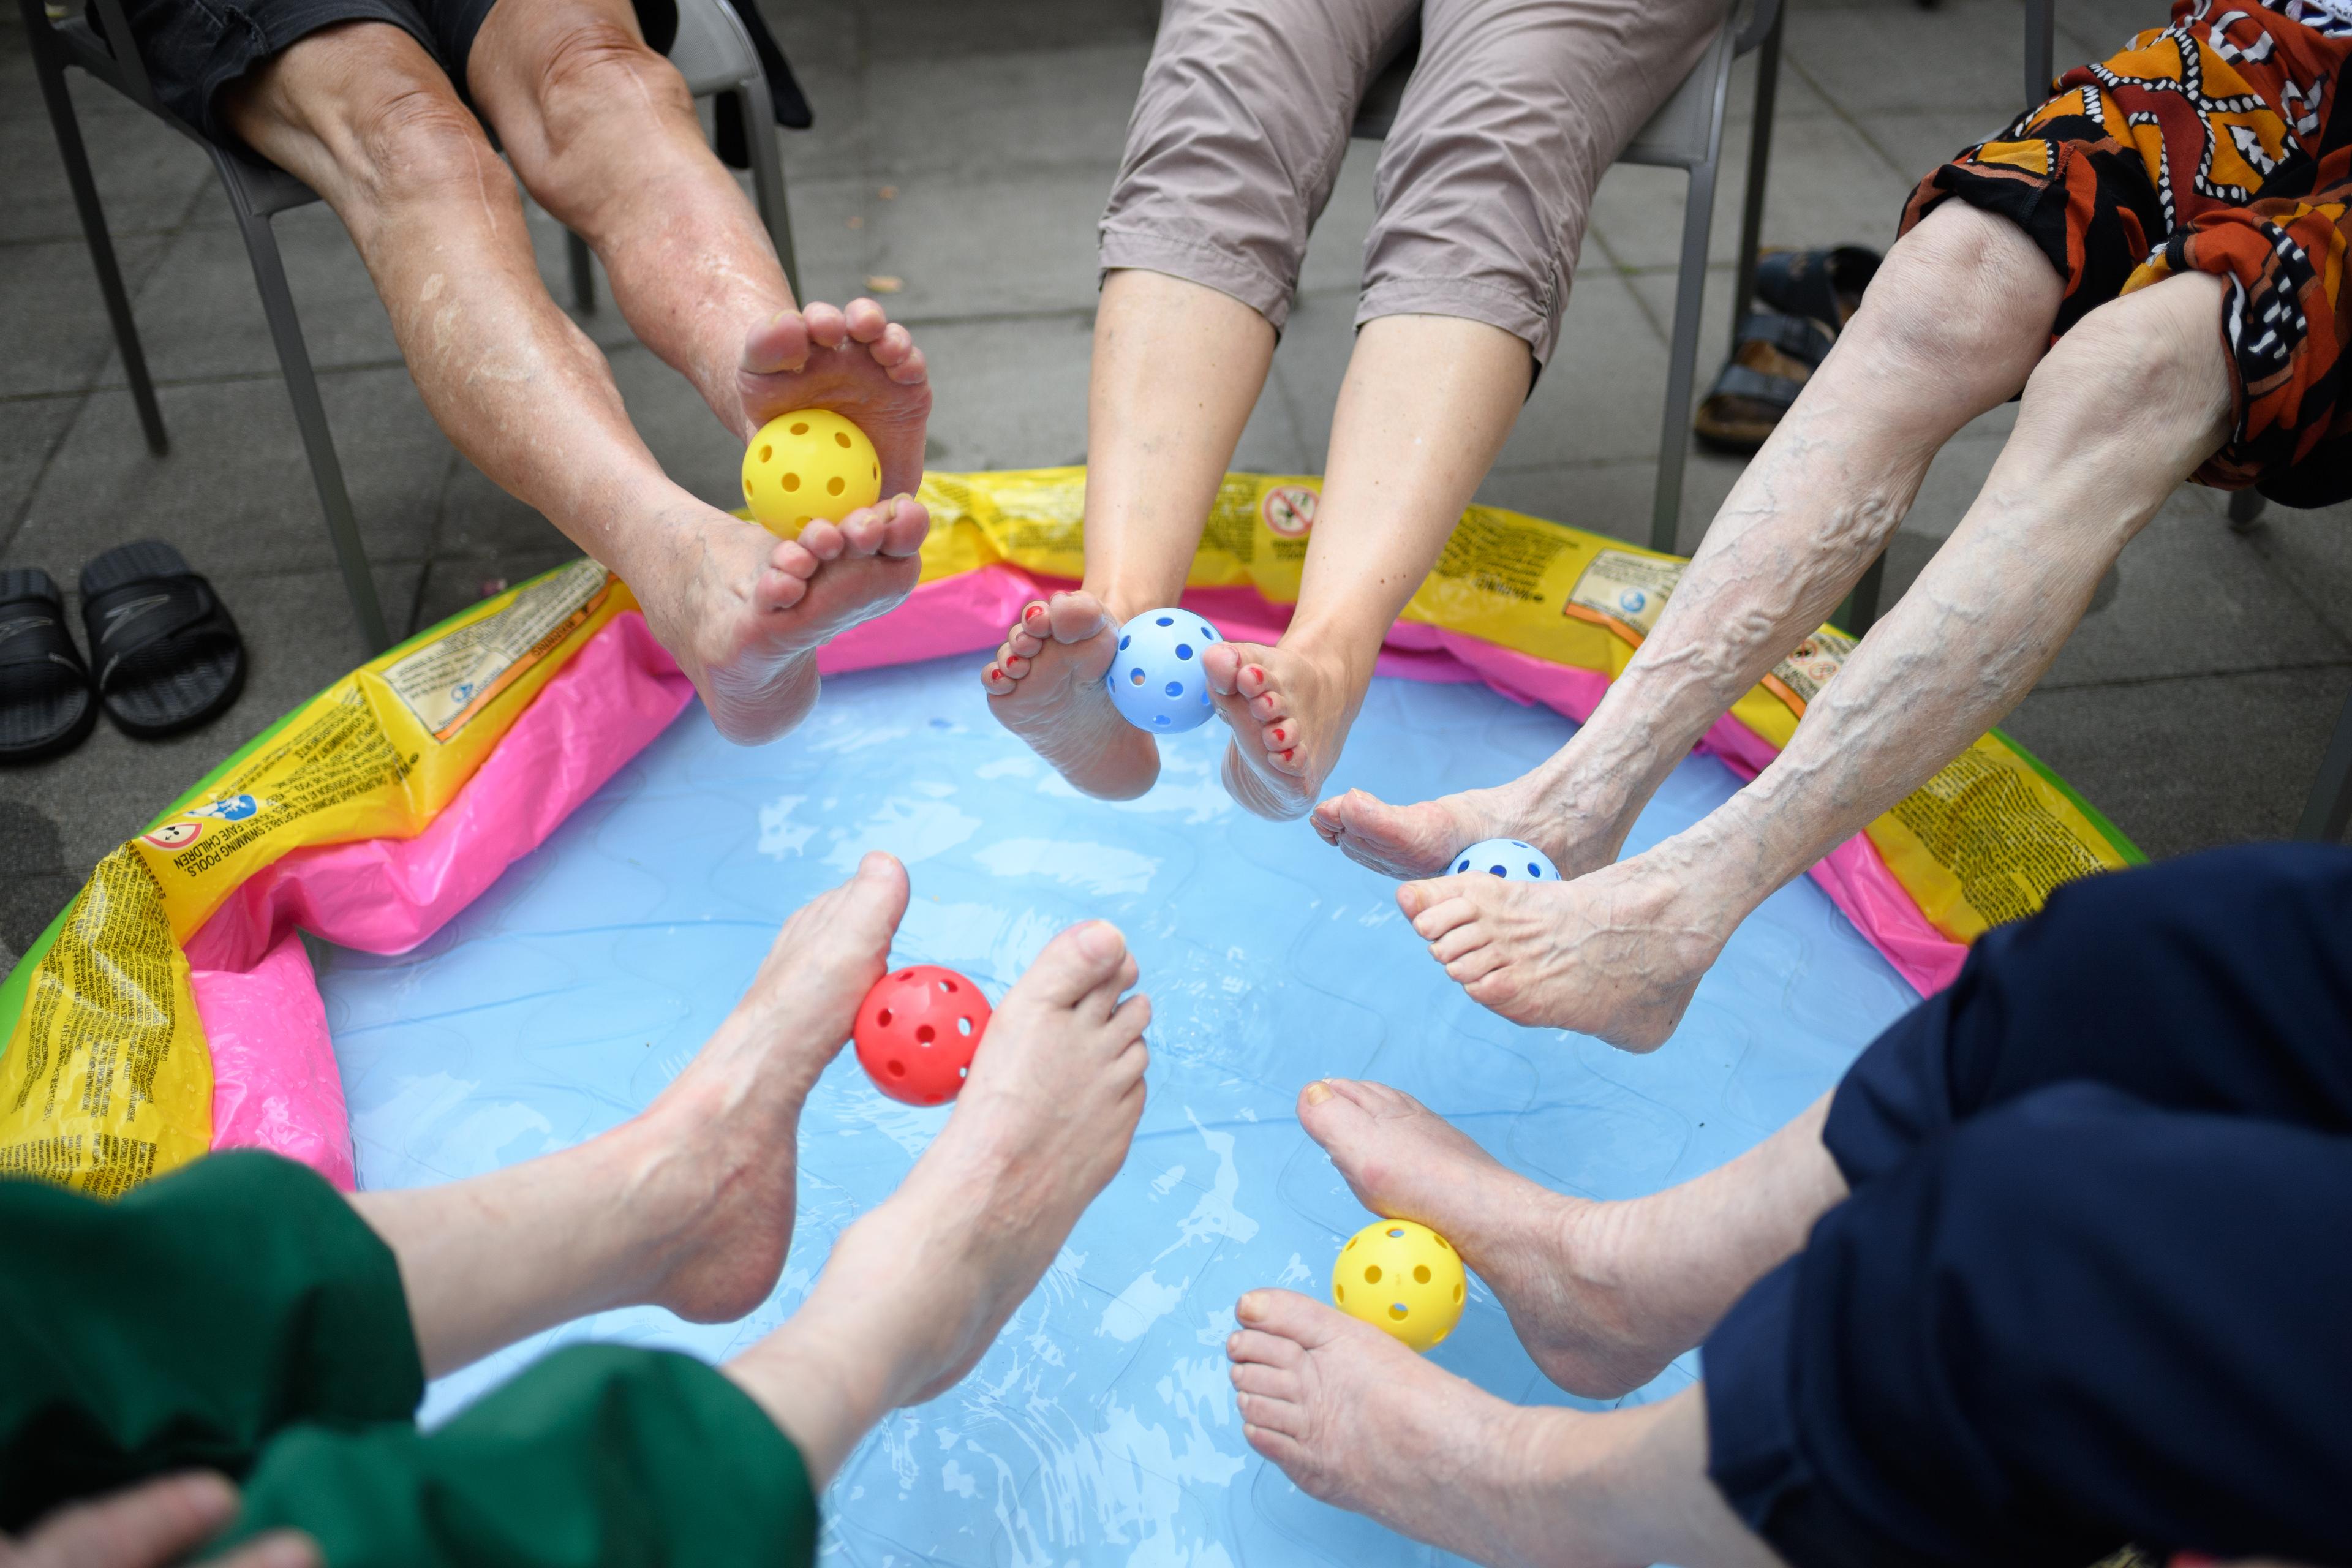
2218, 144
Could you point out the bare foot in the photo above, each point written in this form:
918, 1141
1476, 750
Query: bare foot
1417, 840
1045, 685
724, 1132
1549, 1257
916, 1291
743, 612
857, 363
1359, 1421
1616, 952
1290, 711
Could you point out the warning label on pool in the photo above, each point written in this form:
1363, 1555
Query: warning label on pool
448, 681
1624, 591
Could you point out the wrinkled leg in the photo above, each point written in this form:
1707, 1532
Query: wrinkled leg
363, 115
2127, 407
1952, 324
603, 132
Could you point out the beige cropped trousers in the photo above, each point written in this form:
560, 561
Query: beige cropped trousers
1514, 111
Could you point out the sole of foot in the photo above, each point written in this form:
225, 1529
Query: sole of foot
1040, 1128
1615, 954
722, 1136
744, 611
1544, 1254
855, 361
1289, 712
1045, 685
1358, 1420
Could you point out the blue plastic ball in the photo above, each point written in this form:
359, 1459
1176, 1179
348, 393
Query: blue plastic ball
1157, 682
1507, 858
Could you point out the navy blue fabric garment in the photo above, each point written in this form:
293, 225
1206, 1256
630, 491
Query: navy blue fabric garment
2093, 1285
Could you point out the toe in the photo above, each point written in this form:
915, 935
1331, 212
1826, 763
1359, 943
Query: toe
822, 539
828, 327
866, 320
1073, 964
777, 345
1074, 617
1480, 964
1440, 916
1263, 1349
1265, 1379
1020, 644
1285, 1417
1465, 939
911, 371
1288, 1315
908, 522
1327, 1112
1222, 661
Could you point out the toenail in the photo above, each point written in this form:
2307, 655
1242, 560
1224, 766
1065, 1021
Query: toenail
1100, 939
1318, 1092
1252, 1306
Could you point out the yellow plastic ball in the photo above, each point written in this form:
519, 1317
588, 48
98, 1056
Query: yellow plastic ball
808, 464
1402, 1277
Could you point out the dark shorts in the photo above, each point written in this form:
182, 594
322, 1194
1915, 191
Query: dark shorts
193, 48
2217, 144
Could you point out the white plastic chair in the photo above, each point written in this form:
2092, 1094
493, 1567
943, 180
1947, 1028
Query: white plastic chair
712, 52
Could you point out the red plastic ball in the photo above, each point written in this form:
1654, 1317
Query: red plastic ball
917, 1030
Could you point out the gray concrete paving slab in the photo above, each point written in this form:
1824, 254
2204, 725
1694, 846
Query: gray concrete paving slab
147, 172
1033, 110
2310, 554
34, 428
58, 333
1015, 242
234, 492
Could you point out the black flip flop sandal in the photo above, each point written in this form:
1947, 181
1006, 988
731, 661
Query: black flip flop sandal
46, 705
168, 655
1776, 356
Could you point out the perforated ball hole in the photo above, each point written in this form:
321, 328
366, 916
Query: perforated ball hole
801, 429
841, 439
1398, 1310
791, 481
1135, 675
1457, 1292
1123, 642
1420, 1273
1175, 689
948, 985
1394, 1231
1165, 621
1372, 1275
1183, 651
1339, 1292
963, 1024
905, 975
898, 1069
882, 1018
767, 452
1497, 871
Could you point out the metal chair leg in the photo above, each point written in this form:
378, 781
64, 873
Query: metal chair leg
584, 272
2245, 510
768, 176
310, 417
93, 225
2326, 814
2041, 50
1760, 158
1682, 361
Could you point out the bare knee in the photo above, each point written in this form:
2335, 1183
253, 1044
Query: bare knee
1963, 294
411, 141
590, 79
2146, 370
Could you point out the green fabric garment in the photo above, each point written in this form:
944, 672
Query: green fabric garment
184, 1323
598, 1455
239, 1315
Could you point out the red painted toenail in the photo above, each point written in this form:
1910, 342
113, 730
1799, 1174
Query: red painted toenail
1257, 674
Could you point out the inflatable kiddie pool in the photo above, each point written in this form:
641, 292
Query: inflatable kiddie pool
485, 895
